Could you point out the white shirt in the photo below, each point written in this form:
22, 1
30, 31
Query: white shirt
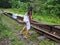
26, 20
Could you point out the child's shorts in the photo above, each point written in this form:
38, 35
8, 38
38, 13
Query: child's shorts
28, 25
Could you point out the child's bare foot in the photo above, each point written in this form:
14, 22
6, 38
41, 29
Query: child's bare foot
25, 37
21, 33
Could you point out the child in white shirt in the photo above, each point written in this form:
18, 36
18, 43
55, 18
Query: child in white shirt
27, 20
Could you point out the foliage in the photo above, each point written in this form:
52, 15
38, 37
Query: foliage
42, 7
25, 0
3, 28
47, 7
5, 4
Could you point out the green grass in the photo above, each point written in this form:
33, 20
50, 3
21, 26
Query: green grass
6, 31
15, 10
48, 19
45, 18
15, 39
46, 42
12, 35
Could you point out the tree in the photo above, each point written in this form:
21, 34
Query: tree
5, 3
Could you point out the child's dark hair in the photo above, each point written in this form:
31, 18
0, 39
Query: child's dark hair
30, 8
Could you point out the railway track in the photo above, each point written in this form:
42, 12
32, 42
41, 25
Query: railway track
51, 31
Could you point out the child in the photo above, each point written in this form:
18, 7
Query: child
27, 20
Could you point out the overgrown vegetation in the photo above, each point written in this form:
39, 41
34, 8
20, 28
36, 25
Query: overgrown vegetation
43, 10
12, 27
45, 18
4, 30
41, 7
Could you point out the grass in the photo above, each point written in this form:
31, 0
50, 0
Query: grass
48, 19
45, 18
6, 31
15, 10
14, 39
46, 42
